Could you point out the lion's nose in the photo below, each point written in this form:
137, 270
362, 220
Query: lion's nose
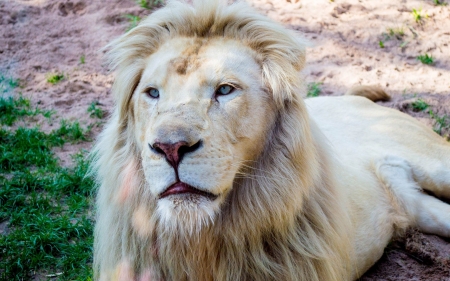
174, 152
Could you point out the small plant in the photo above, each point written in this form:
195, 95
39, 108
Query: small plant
314, 89
381, 43
441, 122
396, 32
55, 78
133, 21
426, 59
440, 3
82, 59
71, 131
419, 105
148, 4
7, 84
417, 14
95, 111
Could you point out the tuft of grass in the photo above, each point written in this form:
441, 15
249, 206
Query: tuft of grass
83, 59
441, 123
7, 84
95, 111
71, 131
418, 16
55, 78
14, 108
314, 89
419, 105
440, 3
426, 59
381, 44
46, 207
397, 32
133, 21
149, 4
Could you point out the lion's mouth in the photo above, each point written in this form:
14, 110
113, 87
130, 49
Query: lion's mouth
184, 188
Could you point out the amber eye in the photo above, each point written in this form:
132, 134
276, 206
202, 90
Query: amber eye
152, 92
224, 90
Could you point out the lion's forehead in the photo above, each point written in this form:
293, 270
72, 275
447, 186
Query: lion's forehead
201, 62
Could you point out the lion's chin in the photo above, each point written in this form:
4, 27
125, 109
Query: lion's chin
187, 212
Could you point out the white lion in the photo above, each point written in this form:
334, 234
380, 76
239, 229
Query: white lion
212, 166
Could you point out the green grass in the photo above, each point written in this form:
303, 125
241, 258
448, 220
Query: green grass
426, 59
7, 84
397, 32
441, 123
440, 3
71, 132
417, 15
95, 111
149, 4
12, 109
133, 21
314, 89
55, 78
82, 59
419, 105
45, 206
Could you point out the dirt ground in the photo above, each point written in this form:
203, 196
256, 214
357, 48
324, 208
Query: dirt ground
351, 42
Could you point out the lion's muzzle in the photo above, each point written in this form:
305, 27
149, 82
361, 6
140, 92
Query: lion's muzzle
174, 152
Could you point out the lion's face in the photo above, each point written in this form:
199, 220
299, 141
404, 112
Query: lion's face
201, 114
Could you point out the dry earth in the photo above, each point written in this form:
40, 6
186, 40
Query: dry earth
41, 37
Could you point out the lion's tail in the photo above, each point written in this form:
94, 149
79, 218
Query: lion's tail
373, 93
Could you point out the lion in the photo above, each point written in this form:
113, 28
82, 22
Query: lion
213, 166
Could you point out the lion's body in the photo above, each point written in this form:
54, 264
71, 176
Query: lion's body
213, 168
365, 136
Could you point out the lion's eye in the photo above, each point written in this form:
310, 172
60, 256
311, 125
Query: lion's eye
225, 90
152, 92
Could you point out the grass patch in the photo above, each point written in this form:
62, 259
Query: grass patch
419, 105
12, 109
55, 78
45, 206
314, 89
7, 84
439, 3
149, 4
418, 15
441, 123
71, 132
426, 59
95, 111
82, 59
133, 21
397, 32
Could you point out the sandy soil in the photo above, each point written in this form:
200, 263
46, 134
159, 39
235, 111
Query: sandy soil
41, 37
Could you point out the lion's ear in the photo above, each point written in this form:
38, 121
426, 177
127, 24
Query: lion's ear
282, 65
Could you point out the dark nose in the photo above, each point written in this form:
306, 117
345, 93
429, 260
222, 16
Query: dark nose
174, 152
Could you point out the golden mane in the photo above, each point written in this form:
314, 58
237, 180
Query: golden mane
283, 219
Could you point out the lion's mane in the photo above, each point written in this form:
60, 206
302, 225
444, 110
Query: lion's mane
283, 220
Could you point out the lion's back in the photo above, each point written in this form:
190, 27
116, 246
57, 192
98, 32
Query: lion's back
357, 126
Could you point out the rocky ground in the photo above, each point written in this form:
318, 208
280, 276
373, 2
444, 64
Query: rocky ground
351, 42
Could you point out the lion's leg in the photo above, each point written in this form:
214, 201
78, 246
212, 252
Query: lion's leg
434, 175
424, 211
